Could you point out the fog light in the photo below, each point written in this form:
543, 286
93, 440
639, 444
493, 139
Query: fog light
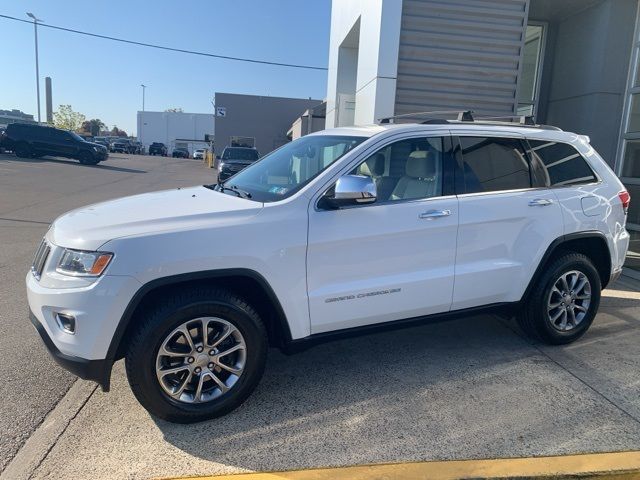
66, 322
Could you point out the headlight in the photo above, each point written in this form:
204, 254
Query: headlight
220, 165
83, 264
95, 149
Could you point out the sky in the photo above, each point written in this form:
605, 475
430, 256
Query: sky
101, 78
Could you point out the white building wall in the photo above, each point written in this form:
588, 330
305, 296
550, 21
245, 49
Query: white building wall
377, 57
166, 127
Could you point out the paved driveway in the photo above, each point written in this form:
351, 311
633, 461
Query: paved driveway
472, 388
32, 194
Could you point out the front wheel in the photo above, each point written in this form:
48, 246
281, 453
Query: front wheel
87, 159
23, 150
198, 356
564, 302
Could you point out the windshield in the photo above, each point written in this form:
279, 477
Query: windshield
239, 154
281, 173
76, 136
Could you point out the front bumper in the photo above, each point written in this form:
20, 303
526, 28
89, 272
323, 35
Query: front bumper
96, 370
97, 308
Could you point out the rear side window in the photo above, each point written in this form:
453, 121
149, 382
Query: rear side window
558, 164
493, 164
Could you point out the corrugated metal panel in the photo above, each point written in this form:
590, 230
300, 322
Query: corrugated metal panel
460, 54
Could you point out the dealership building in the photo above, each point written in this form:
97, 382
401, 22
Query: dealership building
256, 121
569, 63
175, 129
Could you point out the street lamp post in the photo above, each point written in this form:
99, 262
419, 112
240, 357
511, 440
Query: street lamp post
142, 117
35, 30
143, 89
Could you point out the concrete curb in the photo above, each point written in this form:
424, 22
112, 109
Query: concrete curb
618, 465
40, 443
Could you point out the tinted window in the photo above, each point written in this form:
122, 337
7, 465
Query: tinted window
406, 170
239, 154
557, 164
493, 164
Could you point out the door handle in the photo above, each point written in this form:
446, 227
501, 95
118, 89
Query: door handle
431, 214
540, 202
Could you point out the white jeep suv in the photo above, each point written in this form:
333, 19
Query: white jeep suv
340, 232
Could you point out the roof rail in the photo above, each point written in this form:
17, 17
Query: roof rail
466, 116
462, 115
521, 119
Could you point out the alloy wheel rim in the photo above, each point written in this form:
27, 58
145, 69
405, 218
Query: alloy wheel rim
568, 301
201, 360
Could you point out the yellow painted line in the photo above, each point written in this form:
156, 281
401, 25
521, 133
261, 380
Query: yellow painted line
618, 465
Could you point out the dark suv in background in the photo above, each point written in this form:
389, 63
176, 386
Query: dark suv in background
234, 159
28, 141
123, 145
157, 148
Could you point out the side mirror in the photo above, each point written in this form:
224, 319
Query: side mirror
350, 190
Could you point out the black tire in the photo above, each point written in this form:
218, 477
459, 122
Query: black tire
86, 158
158, 322
534, 318
23, 150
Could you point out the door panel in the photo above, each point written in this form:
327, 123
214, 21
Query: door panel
393, 259
501, 241
505, 225
380, 263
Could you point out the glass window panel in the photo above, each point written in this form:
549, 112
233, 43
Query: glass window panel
530, 64
406, 170
633, 254
494, 164
559, 164
631, 165
636, 81
634, 114
634, 207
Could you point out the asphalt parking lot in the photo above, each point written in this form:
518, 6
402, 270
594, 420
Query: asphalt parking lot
32, 194
471, 388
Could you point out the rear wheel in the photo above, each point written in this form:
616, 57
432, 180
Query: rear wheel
564, 302
87, 159
198, 356
23, 150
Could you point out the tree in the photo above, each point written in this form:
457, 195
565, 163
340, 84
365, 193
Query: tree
93, 126
67, 119
116, 132
174, 110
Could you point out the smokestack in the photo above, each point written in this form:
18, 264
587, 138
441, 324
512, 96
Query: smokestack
49, 100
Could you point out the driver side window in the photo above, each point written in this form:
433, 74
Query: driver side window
406, 170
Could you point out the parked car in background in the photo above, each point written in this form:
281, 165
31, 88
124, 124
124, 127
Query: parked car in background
198, 154
104, 141
234, 159
2, 139
138, 149
122, 146
157, 148
180, 153
31, 140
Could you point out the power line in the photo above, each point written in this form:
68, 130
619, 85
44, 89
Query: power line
171, 49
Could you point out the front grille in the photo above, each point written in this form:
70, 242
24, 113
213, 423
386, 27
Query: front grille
40, 259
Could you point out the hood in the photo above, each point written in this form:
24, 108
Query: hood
95, 144
88, 228
238, 162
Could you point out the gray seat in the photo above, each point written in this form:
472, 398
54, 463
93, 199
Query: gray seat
421, 179
374, 168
